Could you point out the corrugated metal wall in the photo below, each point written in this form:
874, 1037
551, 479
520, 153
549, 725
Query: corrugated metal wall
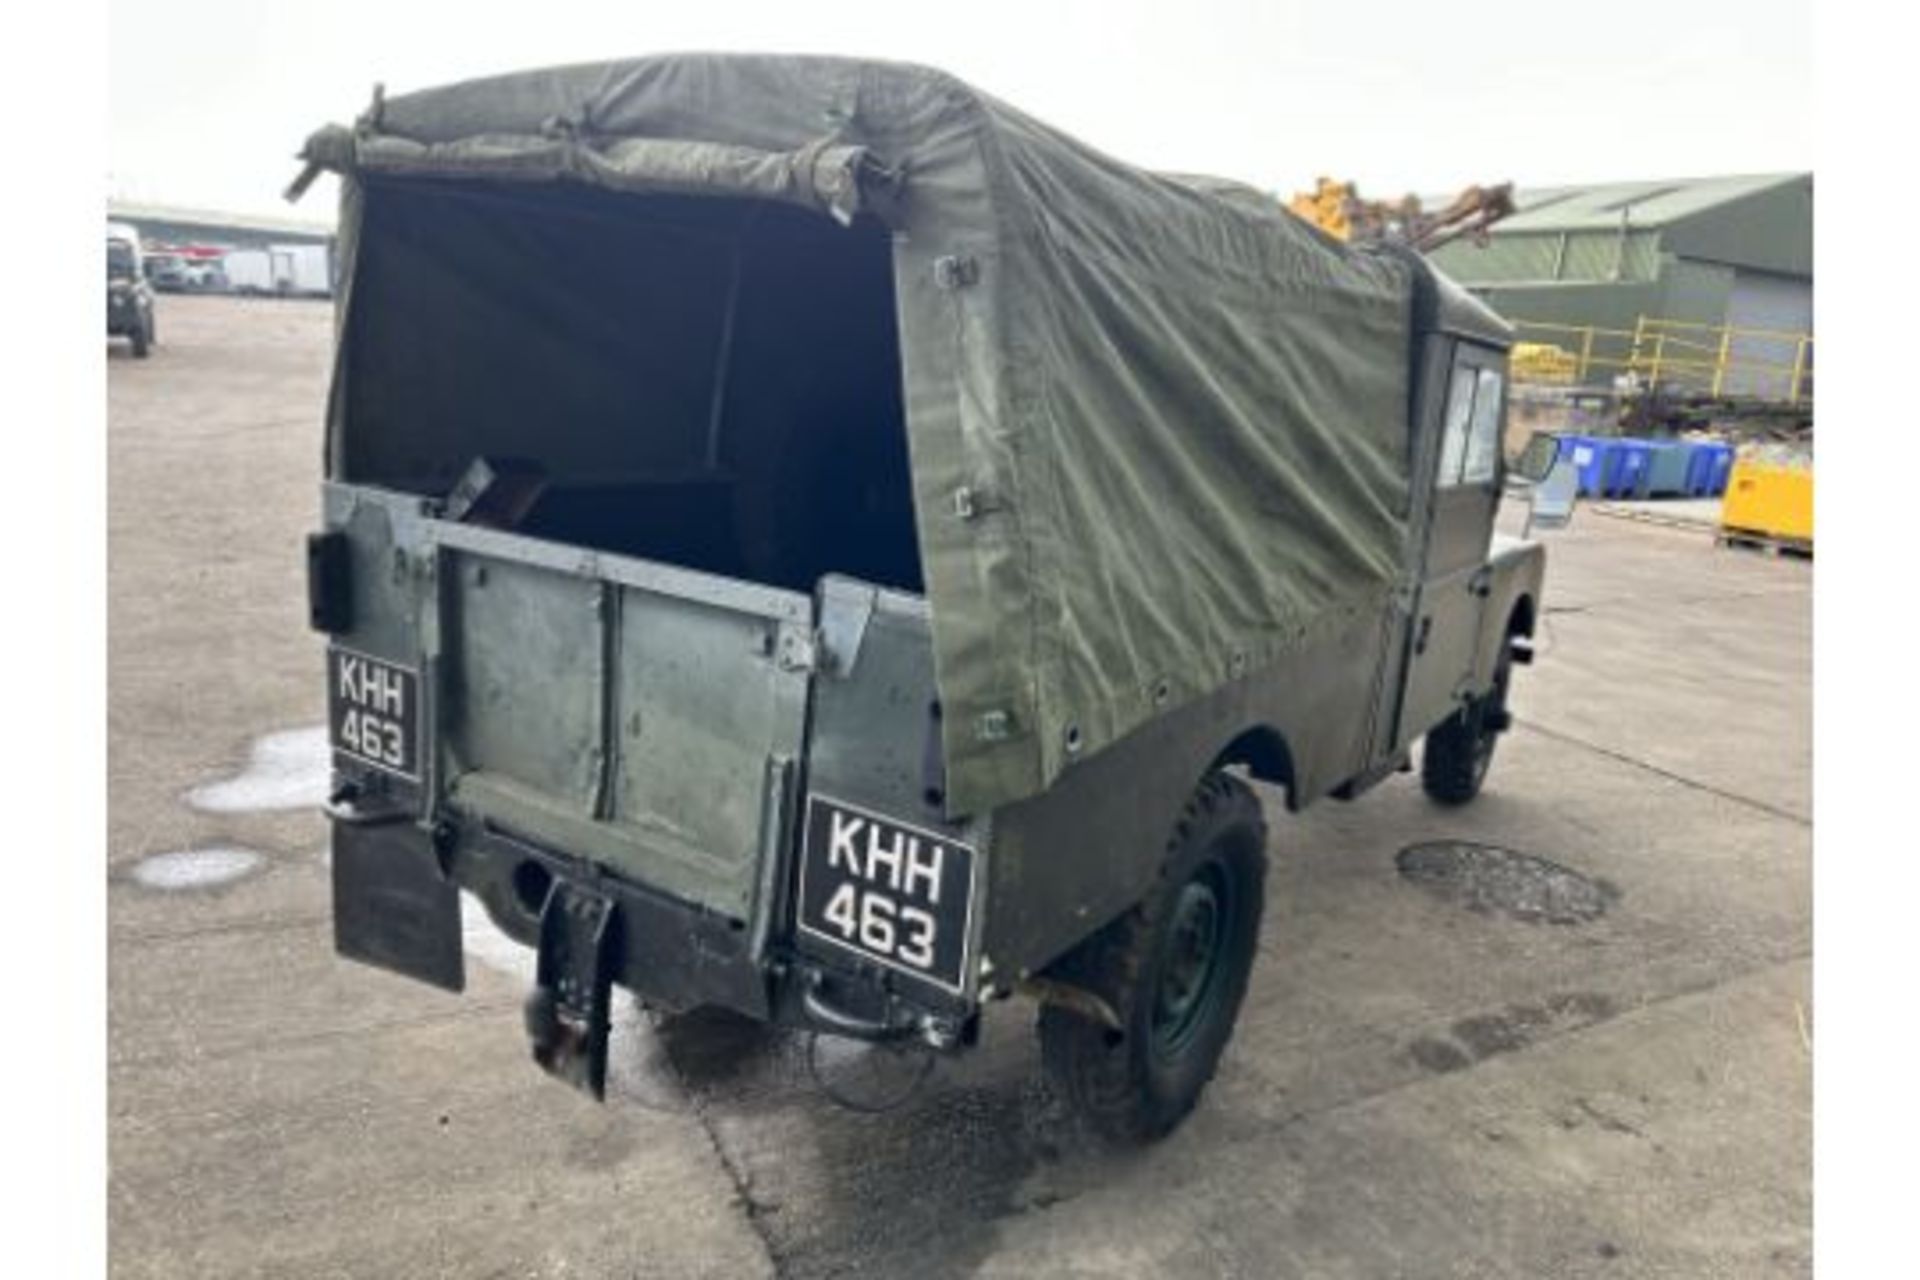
1553, 256
1763, 365
1737, 264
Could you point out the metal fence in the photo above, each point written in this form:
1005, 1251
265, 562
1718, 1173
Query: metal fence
1678, 355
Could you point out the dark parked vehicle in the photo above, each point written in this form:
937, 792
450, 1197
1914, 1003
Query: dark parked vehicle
129, 297
804, 537
167, 272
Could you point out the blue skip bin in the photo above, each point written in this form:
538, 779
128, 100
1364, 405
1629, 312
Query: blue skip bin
1667, 470
1592, 459
1708, 468
1627, 468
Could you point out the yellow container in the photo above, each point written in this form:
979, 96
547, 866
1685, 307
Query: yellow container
1542, 362
1770, 501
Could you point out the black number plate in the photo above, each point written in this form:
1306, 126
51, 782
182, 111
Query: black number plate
373, 710
895, 894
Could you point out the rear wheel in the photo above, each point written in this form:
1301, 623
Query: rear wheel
1459, 753
1173, 969
142, 336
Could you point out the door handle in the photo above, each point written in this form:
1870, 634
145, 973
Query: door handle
1420, 638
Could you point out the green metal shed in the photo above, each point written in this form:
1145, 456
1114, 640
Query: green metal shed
1729, 251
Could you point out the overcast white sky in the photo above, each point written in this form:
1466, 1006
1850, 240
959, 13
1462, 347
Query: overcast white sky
210, 98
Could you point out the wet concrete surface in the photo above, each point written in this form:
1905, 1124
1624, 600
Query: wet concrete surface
1431, 1077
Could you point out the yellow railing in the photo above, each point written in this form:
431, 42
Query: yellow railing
1767, 364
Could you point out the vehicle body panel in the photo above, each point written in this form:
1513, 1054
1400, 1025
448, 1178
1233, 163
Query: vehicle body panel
668, 746
1156, 423
1451, 568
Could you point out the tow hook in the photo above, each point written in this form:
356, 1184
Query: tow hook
839, 1021
354, 805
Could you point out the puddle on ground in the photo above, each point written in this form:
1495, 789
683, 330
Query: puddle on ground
1495, 881
833, 1190
916, 1189
285, 770
195, 868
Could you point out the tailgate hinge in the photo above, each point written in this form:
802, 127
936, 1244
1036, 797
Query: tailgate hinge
797, 650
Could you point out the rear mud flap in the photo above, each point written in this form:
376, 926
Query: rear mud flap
392, 907
568, 1012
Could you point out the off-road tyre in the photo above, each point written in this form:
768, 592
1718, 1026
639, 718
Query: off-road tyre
142, 338
1134, 1086
1459, 753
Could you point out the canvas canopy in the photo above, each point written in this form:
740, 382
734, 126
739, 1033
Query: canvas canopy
1158, 427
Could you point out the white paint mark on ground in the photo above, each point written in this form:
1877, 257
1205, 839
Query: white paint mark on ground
195, 868
483, 940
285, 770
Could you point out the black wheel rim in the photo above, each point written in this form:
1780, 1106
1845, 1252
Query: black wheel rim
1483, 751
1193, 962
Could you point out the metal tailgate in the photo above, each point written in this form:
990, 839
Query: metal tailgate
639, 715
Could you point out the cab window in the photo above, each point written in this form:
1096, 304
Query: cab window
1453, 443
1483, 443
1470, 445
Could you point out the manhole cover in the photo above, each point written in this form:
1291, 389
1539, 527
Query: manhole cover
1496, 881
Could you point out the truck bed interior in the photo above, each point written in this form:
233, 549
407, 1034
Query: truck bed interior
713, 383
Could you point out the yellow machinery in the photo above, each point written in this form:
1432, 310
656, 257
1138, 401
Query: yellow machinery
1338, 209
1543, 362
1326, 207
1770, 502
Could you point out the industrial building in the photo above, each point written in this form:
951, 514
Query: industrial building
1713, 275
205, 251
170, 224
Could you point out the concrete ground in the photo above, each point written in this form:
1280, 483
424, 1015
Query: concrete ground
1689, 513
1416, 1088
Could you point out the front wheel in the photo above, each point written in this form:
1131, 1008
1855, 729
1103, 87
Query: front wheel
1173, 969
1459, 753
142, 336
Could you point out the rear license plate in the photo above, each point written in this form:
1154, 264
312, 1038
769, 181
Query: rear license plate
374, 712
898, 895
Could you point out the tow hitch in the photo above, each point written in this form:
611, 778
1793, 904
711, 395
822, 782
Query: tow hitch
568, 1012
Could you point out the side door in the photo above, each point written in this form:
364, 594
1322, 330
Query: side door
1453, 577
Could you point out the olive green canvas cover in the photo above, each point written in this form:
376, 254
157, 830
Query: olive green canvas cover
1158, 426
